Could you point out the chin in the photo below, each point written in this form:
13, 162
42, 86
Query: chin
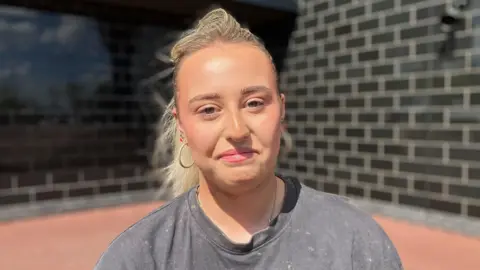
244, 175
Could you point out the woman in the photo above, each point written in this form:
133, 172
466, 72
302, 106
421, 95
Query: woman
231, 211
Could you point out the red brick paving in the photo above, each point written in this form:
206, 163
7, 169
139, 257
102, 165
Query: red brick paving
75, 241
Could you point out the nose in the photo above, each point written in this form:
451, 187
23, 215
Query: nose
236, 128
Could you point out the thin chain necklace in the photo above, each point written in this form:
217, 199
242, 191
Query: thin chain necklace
272, 211
274, 202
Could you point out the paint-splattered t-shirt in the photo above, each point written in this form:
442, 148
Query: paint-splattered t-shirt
314, 230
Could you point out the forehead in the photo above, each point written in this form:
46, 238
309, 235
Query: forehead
224, 67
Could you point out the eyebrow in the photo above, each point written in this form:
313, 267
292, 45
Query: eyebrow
245, 91
254, 89
204, 97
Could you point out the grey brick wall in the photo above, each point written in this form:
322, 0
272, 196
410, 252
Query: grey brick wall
51, 150
60, 151
375, 113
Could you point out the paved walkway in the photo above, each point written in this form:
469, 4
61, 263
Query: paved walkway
75, 241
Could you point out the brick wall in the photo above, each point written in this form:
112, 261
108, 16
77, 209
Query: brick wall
375, 113
67, 137
73, 135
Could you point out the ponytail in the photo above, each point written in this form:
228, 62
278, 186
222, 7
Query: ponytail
173, 175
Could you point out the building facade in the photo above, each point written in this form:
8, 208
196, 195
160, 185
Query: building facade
77, 86
376, 109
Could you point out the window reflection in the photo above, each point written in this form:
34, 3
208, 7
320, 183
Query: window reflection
50, 62
76, 91
278, 4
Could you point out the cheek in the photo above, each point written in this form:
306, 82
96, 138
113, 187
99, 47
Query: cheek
201, 138
268, 131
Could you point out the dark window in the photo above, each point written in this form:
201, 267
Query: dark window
76, 92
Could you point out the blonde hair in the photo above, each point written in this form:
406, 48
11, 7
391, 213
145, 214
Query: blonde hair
216, 26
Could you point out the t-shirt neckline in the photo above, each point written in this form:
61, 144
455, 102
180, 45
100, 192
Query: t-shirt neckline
260, 238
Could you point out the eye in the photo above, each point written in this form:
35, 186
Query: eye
254, 103
207, 110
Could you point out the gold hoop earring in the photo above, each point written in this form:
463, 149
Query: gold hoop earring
180, 158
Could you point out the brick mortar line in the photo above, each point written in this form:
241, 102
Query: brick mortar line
404, 143
381, 62
418, 41
450, 222
387, 29
17, 212
399, 158
396, 62
418, 109
437, 126
367, 16
109, 112
410, 190
407, 144
442, 179
366, 125
75, 185
353, 65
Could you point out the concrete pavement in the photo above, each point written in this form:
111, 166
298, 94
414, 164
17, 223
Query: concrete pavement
74, 241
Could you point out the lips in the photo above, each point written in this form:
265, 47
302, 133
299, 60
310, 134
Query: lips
236, 155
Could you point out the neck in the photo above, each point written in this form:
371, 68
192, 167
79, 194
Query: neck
239, 216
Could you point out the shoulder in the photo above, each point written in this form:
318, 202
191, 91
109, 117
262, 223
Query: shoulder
370, 246
337, 208
164, 216
130, 250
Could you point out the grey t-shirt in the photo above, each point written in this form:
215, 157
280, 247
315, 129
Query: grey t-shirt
314, 230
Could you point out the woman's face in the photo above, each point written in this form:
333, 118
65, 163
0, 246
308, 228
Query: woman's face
230, 112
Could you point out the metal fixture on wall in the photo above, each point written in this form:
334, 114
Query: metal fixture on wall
451, 20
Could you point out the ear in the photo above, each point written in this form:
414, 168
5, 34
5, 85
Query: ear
282, 106
177, 119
